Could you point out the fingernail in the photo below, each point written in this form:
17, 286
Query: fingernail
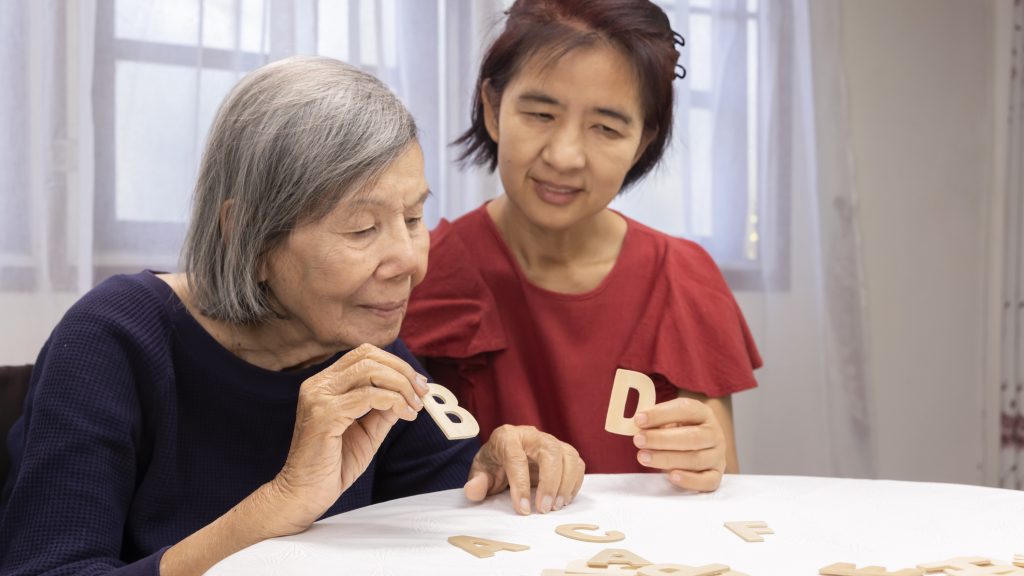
417, 403
524, 506
559, 502
408, 410
545, 504
421, 383
639, 440
644, 457
640, 419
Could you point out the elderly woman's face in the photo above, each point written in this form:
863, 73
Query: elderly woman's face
345, 280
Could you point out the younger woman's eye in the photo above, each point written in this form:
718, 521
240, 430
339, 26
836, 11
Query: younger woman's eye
541, 116
608, 131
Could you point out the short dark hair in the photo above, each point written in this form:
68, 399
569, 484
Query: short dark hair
639, 28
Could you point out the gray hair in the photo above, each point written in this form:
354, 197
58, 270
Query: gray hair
289, 142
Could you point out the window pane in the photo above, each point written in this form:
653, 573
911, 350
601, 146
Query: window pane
332, 29
367, 33
254, 26
659, 200
161, 118
700, 172
699, 47
169, 22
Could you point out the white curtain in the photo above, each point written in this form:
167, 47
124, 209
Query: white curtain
1011, 461
104, 124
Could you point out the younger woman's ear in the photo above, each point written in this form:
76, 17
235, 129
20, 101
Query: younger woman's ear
488, 98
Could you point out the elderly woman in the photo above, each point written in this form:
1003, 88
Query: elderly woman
174, 419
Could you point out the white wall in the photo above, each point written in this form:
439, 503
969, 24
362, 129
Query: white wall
28, 320
921, 82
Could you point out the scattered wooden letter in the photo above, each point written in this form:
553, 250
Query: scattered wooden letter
847, 569
578, 567
971, 566
749, 530
682, 570
616, 422
612, 556
440, 403
573, 531
482, 547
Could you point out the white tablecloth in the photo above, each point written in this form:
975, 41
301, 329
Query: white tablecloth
817, 522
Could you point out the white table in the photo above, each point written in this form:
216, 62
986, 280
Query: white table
817, 522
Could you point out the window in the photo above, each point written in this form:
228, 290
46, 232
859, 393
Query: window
161, 71
707, 187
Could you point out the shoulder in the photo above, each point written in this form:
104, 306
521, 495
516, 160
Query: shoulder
683, 262
125, 317
453, 312
125, 303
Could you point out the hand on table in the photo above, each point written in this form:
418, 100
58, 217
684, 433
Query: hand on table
519, 457
684, 437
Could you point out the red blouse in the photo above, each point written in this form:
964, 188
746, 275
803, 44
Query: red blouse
516, 353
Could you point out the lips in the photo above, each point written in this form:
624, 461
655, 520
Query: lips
385, 307
554, 193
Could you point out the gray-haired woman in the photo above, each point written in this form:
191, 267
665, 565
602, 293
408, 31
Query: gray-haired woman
174, 419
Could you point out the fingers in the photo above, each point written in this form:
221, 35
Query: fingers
516, 466
678, 438
573, 469
678, 411
697, 460
559, 469
518, 451
703, 481
369, 366
356, 403
682, 436
478, 487
546, 453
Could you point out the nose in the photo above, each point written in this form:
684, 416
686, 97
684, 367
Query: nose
565, 149
400, 257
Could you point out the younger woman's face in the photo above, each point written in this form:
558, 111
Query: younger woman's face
567, 131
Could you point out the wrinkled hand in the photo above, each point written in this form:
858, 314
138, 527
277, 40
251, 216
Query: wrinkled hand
683, 437
519, 457
343, 415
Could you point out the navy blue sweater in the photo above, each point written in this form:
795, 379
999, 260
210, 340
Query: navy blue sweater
139, 429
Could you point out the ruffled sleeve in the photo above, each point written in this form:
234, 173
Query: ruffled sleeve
693, 333
452, 313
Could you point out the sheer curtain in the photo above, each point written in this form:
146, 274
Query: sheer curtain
105, 122
1011, 461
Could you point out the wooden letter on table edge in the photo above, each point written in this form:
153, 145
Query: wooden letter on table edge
966, 564
577, 567
615, 422
682, 570
613, 556
847, 569
466, 428
749, 530
572, 531
482, 547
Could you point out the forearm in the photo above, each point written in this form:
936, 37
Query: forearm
253, 520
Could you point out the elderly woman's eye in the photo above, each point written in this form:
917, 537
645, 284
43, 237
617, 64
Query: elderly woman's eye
413, 221
364, 232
